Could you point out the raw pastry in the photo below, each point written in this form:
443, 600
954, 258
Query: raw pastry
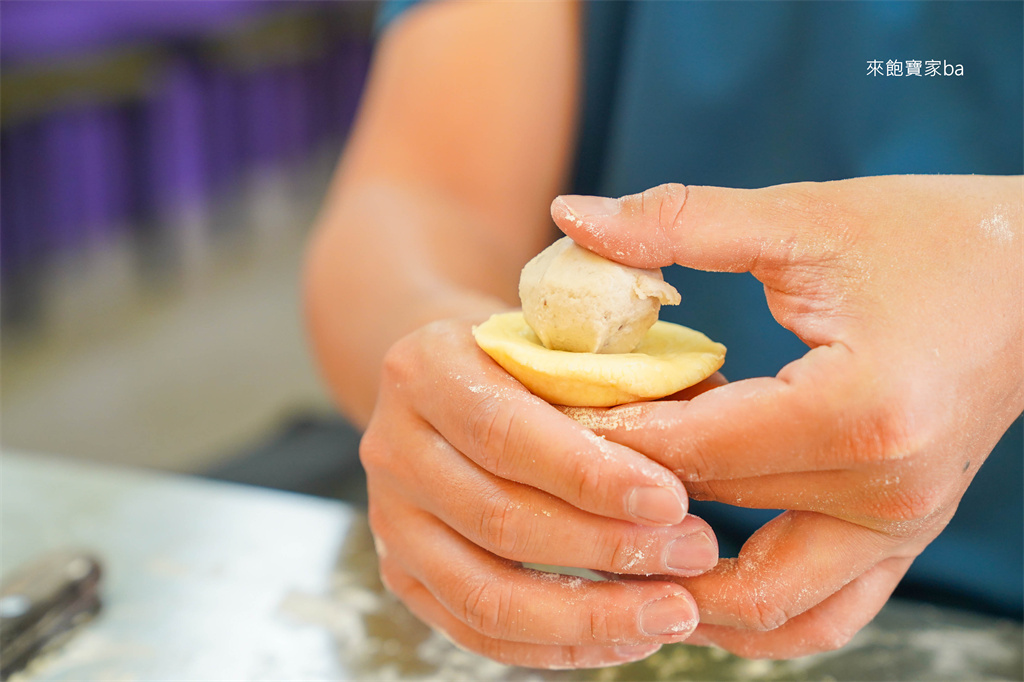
670, 358
580, 300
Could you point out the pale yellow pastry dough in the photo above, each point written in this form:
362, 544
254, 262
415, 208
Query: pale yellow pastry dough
669, 358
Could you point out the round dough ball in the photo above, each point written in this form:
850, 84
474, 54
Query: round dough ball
578, 301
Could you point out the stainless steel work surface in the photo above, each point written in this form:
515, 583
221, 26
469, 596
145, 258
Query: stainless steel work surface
212, 581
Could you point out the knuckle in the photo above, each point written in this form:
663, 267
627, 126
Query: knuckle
661, 205
696, 458
761, 614
398, 365
590, 483
914, 504
701, 491
499, 527
667, 201
620, 552
372, 450
891, 425
603, 626
485, 606
491, 427
886, 433
714, 491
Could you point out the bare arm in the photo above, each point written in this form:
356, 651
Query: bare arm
464, 136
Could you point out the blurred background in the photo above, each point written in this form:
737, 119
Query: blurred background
161, 165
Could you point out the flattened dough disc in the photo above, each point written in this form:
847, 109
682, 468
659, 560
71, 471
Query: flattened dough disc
670, 358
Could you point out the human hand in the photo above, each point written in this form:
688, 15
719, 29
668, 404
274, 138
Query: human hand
908, 291
470, 474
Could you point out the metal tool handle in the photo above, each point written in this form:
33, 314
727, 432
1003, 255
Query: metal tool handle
42, 601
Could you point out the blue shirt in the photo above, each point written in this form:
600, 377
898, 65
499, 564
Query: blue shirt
755, 94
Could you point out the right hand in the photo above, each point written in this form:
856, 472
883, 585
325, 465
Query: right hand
470, 474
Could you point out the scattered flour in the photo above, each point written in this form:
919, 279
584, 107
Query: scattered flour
625, 417
636, 555
997, 227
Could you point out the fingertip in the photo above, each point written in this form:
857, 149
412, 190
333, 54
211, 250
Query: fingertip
657, 505
598, 224
563, 216
692, 555
651, 494
577, 208
674, 616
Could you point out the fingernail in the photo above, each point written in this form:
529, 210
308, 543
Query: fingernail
581, 206
637, 652
668, 616
695, 553
657, 505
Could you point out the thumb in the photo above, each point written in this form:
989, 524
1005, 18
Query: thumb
707, 228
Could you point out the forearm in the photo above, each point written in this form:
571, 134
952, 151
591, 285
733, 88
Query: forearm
464, 136
387, 259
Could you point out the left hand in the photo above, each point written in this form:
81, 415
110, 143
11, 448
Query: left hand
908, 291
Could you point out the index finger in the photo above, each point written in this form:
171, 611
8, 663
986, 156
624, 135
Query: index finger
816, 415
491, 418
718, 229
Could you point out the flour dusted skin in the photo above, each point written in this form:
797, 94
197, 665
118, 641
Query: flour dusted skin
575, 300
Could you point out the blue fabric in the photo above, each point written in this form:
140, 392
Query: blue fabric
754, 94
388, 11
